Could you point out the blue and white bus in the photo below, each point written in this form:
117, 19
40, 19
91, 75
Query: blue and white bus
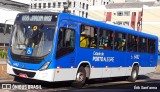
53, 47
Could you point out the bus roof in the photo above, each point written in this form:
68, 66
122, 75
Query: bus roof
106, 25
96, 23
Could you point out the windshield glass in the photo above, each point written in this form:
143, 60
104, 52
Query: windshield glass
32, 40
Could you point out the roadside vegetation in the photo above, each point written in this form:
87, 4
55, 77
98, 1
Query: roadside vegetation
3, 54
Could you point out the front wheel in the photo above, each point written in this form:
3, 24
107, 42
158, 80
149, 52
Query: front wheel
80, 78
134, 74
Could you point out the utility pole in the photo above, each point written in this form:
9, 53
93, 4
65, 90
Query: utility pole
141, 19
66, 6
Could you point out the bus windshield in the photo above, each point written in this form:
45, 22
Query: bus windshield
38, 38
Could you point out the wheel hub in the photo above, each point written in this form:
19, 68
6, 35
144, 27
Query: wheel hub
134, 74
80, 76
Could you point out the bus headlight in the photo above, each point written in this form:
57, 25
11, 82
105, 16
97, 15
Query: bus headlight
45, 66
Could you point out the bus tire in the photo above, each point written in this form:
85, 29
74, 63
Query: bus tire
134, 74
80, 78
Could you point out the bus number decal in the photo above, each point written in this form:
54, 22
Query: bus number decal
99, 57
135, 56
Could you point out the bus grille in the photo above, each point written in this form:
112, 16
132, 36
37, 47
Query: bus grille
29, 74
26, 59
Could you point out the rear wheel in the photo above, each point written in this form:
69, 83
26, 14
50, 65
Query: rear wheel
134, 74
80, 78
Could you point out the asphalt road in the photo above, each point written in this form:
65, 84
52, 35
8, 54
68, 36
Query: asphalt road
149, 81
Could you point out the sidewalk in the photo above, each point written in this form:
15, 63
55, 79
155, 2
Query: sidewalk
158, 68
3, 61
3, 70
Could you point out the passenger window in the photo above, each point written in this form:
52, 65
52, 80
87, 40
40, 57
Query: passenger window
66, 42
132, 43
142, 45
106, 39
151, 46
88, 37
120, 41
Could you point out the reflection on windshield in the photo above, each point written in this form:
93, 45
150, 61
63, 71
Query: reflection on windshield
39, 38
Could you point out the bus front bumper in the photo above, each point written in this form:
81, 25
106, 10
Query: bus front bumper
45, 75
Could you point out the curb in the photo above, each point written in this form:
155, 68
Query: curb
158, 68
6, 81
3, 63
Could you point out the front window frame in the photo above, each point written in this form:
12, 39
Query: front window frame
47, 24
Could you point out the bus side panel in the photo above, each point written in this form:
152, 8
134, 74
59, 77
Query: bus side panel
65, 65
104, 63
118, 66
145, 61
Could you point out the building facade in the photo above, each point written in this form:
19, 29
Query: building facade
99, 2
151, 21
76, 7
119, 1
129, 14
128, 17
123, 1
97, 13
141, 16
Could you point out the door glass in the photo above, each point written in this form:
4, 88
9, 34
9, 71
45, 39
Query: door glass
66, 42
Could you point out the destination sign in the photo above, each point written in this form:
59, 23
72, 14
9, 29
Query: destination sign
47, 18
37, 18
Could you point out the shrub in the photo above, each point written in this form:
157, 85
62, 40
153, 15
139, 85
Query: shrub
0, 53
3, 54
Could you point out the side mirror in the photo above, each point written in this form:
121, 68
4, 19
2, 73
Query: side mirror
5, 29
8, 26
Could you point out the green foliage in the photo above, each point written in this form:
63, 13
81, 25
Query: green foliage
3, 54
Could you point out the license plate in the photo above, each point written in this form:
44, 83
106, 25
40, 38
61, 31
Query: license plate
23, 75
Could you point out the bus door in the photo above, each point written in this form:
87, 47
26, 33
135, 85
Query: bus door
66, 52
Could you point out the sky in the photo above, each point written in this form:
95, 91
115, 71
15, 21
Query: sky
23, 1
